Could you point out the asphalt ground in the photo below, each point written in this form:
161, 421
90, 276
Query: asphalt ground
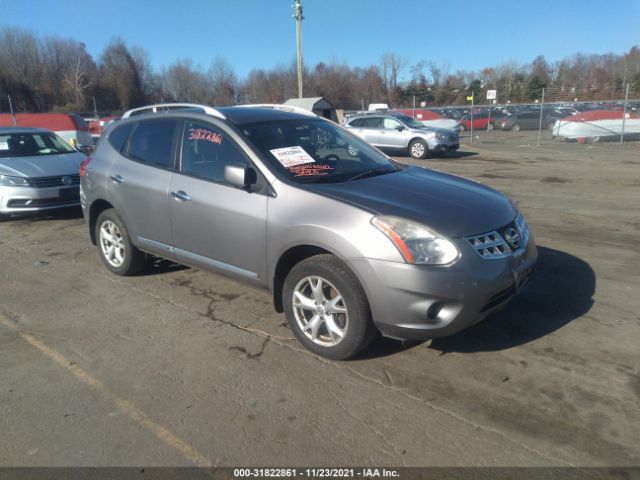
182, 367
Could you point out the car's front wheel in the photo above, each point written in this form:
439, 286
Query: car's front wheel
327, 308
418, 149
117, 252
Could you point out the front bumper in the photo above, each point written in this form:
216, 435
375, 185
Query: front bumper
419, 302
451, 145
31, 199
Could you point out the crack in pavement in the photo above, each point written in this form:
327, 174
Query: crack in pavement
249, 355
378, 433
398, 390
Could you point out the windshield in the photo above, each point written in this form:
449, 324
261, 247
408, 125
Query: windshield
314, 151
409, 122
32, 145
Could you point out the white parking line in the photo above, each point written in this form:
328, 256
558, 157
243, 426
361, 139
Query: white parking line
125, 406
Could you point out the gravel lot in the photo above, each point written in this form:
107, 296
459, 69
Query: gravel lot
181, 367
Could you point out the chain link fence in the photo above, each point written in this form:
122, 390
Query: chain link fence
535, 114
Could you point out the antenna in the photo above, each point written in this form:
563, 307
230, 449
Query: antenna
13, 114
297, 14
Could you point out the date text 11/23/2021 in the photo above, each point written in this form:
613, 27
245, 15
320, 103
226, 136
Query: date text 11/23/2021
315, 473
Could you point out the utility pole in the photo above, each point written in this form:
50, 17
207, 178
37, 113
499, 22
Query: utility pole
297, 14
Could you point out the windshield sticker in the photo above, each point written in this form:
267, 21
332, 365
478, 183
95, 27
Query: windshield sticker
4, 146
292, 156
306, 170
203, 134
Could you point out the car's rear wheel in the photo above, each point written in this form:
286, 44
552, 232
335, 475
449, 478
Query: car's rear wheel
327, 308
117, 252
418, 149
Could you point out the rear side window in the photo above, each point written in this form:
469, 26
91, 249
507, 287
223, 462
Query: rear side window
152, 142
206, 150
119, 136
357, 122
372, 122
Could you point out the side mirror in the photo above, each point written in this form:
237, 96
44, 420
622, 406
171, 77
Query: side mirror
86, 149
239, 175
400, 128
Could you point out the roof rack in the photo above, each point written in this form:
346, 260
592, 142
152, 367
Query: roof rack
279, 106
163, 107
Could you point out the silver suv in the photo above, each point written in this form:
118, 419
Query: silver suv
401, 132
349, 242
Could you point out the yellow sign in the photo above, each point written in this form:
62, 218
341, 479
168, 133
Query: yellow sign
469, 98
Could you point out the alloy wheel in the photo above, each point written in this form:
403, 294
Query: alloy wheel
320, 311
417, 149
112, 243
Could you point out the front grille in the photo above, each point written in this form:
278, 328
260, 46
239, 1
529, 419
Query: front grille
490, 245
501, 242
46, 182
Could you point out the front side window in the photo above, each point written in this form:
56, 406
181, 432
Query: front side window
206, 150
152, 142
390, 124
409, 121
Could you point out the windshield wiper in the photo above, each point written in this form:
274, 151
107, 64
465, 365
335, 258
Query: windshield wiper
371, 173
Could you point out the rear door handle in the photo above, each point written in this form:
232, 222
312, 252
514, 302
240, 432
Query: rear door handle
117, 179
181, 196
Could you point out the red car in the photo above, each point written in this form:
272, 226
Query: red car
481, 120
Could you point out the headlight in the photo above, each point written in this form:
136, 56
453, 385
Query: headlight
417, 243
8, 181
442, 137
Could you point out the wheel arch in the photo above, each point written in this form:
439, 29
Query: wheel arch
95, 210
294, 255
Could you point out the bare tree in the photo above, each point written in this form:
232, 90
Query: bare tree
80, 75
223, 81
120, 83
182, 82
392, 65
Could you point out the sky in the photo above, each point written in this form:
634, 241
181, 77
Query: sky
459, 34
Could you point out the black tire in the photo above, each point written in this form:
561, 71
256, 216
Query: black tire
133, 260
360, 330
418, 149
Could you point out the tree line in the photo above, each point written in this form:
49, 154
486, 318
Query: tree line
52, 73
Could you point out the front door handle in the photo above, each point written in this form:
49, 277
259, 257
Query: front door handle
117, 179
181, 196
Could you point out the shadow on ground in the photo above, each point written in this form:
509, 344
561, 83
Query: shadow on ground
159, 266
561, 291
457, 154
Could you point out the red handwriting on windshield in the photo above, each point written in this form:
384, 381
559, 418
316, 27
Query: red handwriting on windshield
305, 170
202, 134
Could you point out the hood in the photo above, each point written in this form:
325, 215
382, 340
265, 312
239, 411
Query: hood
428, 128
42, 165
451, 205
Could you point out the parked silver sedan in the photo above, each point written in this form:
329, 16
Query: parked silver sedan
38, 171
401, 132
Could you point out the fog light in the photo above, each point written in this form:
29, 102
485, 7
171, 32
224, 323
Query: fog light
434, 310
